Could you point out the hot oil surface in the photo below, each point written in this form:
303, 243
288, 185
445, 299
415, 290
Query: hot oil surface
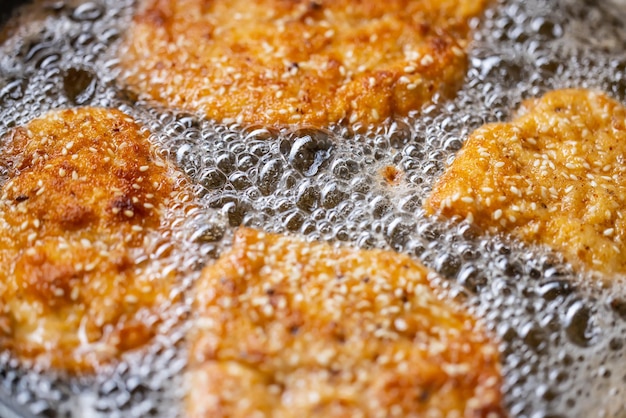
561, 332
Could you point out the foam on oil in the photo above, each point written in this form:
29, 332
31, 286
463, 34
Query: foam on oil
562, 333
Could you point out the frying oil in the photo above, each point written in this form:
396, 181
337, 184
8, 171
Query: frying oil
562, 334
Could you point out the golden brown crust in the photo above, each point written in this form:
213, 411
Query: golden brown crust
286, 62
79, 215
287, 328
555, 175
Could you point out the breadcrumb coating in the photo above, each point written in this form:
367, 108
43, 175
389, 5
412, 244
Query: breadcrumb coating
555, 175
81, 216
287, 328
293, 62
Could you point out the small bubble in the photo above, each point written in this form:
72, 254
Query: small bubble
579, 325
546, 28
13, 89
616, 344
55, 6
452, 144
234, 208
619, 307
448, 265
48, 61
309, 150
247, 161
259, 133
269, 176
226, 163
308, 197
35, 50
507, 333
83, 40
399, 134
332, 195
554, 289
87, 12
293, 221
380, 207
345, 169
471, 278
534, 337
240, 181
360, 185
410, 204
399, 232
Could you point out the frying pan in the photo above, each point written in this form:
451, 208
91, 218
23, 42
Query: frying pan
8, 407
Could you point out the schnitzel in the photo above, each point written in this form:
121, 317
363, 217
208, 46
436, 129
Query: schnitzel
81, 216
293, 62
555, 175
287, 328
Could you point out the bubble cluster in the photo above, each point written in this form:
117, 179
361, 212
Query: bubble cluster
561, 333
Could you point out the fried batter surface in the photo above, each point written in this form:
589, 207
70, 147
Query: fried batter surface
292, 329
286, 62
555, 175
81, 215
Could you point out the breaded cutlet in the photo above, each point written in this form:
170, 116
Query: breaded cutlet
555, 175
83, 238
286, 328
293, 62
